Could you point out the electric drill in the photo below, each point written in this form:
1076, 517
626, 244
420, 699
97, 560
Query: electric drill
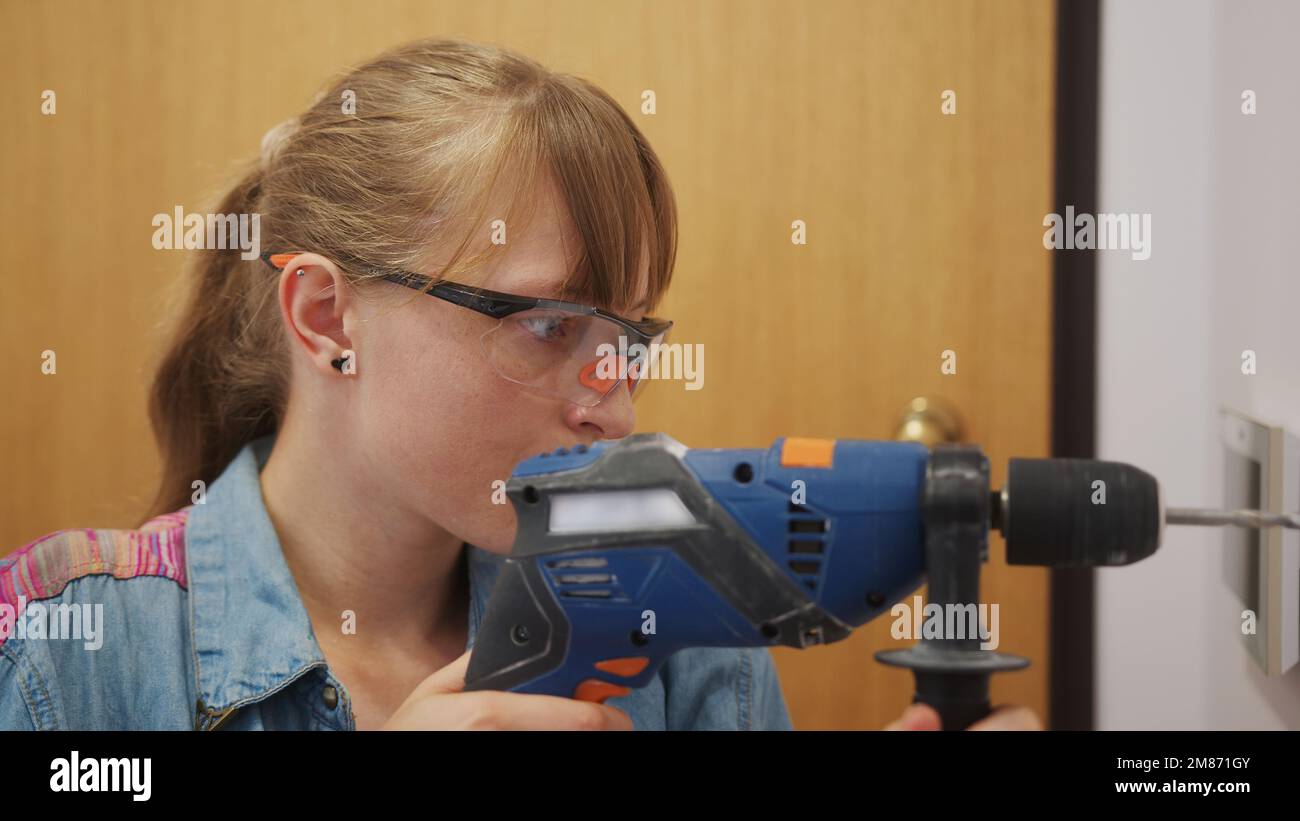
795, 545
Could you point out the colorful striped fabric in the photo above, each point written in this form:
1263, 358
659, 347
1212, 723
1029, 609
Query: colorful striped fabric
41, 569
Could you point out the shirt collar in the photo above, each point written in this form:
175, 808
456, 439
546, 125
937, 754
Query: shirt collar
251, 632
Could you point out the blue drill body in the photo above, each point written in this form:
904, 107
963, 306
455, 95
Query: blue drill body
629, 551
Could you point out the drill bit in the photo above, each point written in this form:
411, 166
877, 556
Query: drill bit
1240, 518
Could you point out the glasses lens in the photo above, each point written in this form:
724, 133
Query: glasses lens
577, 357
646, 367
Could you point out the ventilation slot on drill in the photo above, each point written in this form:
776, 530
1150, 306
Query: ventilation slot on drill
574, 563
586, 585
797, 546
581, 578
589, 593
806, 543
584, 578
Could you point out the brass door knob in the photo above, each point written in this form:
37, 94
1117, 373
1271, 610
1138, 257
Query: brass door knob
930, 420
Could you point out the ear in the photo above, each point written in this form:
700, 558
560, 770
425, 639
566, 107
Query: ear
314, 301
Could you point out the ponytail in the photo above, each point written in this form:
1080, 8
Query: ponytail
222, 381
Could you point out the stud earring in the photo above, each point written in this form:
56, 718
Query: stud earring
301, 272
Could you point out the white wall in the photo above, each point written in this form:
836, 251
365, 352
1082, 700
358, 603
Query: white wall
1223, 190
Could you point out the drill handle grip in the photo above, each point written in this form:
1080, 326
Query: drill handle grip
960, 700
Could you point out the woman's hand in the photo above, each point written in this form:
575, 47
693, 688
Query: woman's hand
924, 717
439, 703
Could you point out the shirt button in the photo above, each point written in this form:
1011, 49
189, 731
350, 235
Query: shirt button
330, 695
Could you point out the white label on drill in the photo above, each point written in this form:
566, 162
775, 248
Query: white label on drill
601, 512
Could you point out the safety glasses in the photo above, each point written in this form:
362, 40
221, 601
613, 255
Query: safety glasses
565, 349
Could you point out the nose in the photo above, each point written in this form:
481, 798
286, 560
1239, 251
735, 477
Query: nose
613, 418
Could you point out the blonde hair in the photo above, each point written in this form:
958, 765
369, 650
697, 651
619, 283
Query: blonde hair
438, 123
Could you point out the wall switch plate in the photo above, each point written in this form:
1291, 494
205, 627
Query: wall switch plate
1262, 566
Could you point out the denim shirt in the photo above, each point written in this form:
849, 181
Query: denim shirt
195, 622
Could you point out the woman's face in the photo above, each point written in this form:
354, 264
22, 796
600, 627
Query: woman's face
438, 425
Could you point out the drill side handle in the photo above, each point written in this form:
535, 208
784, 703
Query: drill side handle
952, 673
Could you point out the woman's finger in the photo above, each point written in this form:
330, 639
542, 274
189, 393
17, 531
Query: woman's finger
449, 679
1009, 718
916, 717
524, 711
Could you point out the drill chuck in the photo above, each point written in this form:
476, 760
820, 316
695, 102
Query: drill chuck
1078, 513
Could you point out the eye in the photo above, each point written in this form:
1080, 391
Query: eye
545, 327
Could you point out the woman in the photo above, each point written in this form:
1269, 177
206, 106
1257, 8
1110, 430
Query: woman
325, 534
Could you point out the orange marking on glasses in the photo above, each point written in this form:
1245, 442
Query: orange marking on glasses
601, 384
